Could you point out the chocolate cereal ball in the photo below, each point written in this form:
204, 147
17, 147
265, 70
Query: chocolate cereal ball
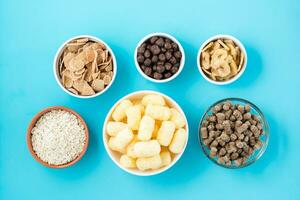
159, 57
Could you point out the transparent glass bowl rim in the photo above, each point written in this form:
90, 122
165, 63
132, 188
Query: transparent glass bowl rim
265, 129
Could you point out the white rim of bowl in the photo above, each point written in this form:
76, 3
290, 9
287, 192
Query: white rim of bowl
144, 173
237, 42
60, 51
182, 62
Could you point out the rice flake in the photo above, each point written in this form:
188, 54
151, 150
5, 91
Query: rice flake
58, 137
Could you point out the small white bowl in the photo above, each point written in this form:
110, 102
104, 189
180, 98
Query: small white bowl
115, 156
166, 36
238, 43
61, 50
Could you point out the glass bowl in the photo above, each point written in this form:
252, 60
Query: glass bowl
264, 137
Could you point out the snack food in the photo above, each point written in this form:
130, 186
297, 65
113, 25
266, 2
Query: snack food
221, 59
85, 67
159, 57
144, 139
231, 133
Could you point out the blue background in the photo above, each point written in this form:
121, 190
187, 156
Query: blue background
32, 31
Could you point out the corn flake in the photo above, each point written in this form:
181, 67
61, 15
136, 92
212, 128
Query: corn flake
85, 67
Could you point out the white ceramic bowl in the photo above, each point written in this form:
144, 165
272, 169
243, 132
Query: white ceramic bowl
61, 50
238, 43
166, 36
115, 156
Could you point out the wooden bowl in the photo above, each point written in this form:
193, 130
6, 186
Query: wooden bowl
32, 124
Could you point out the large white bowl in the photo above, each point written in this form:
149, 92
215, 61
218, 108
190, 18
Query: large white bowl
166, 36
61, 50
238, 43
115, 156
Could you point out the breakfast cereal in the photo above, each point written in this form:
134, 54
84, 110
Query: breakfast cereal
85, 67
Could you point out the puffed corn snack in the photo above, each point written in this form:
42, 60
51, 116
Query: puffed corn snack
147, 133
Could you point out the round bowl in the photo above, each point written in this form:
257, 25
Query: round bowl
32, 124
264, 137
166, 36
61, 50
238, 43
115, 156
